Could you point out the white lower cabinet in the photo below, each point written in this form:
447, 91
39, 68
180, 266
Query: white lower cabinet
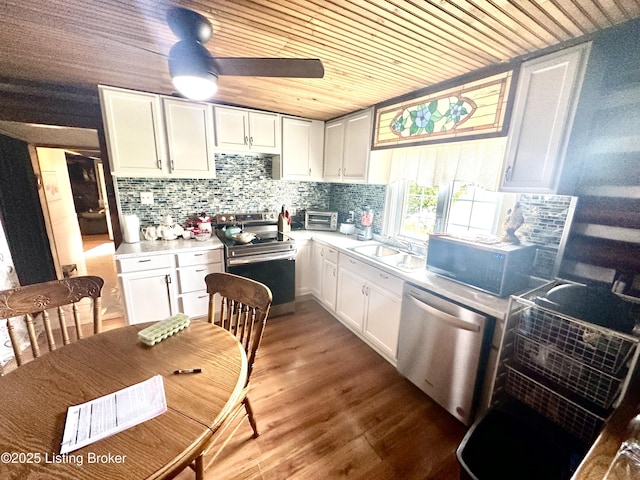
148, 288
158, 286
324, 270
369, 302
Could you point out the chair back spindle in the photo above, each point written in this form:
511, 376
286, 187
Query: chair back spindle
32, 304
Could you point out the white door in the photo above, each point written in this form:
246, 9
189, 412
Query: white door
65, 236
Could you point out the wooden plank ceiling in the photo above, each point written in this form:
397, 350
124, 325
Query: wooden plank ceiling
372, 50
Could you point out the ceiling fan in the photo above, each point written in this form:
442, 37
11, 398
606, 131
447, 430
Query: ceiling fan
195, 72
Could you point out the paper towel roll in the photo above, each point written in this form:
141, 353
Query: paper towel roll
130, 228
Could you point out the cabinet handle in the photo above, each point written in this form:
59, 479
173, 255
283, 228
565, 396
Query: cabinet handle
246, 140
507, 174
168, 278
344, 172
352, 262
334, 272
201, 270
203, 296
366, 291
198, 254
172, 165
144, 261
386, 277
159, 164
339, 170
251, 141
322, 252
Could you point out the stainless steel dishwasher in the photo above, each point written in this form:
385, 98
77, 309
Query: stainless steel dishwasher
440, 348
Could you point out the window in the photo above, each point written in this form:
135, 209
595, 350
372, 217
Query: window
419, 212
473, 210
458, 208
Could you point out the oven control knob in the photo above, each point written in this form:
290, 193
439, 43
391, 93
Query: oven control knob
223, 219
231, 218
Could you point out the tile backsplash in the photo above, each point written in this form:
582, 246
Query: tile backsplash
244, 184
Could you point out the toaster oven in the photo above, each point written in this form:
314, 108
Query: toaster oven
316, 220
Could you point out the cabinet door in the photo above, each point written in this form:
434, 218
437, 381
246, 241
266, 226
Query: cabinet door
350, 305
264, 132
304, 274
543, 110
296, 140
232, 128
382, 324
333, 150
316, 269
329, 284
357, 141
189, 128
149, 296
133, 128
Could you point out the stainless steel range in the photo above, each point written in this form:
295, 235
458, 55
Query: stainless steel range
264, 259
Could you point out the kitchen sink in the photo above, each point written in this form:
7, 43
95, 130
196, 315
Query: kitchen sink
411, 262
376, 250
392, 257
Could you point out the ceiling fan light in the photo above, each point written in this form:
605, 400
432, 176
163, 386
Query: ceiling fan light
192, 71
196, 88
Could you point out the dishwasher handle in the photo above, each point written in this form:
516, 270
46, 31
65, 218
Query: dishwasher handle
445, 317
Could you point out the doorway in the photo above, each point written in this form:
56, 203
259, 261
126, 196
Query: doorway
73, 199
81, 254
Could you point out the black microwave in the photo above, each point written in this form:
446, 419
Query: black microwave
498, 268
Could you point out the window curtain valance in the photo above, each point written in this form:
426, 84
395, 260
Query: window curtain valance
478, 162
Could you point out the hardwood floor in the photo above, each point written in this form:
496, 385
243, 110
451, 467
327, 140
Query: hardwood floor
329, 407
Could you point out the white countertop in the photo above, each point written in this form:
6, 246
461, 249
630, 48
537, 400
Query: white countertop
159, 247
466, 296
471, 297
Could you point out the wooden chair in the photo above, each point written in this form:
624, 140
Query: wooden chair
245, 306
33, 301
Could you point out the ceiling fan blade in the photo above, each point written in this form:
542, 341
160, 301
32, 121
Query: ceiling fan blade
269, 67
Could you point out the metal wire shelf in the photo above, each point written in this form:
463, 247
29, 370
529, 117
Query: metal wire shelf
569, 370
599, 347
591, 383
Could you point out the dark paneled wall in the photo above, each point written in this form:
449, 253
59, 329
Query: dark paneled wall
21, 214
603, 166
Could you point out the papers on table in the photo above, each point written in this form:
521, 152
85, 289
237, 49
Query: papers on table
113, 413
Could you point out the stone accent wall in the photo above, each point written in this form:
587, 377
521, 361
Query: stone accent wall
346, 197
545, 217
243, 184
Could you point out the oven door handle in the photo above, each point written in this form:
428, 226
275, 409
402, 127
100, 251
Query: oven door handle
267, 257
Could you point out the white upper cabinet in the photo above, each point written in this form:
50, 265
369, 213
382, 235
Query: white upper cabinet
189, 128
242, 130
347, 149
134, 132
542, 117
302, 150
152, 136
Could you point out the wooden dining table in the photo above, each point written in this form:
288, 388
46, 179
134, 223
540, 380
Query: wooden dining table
36, 396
